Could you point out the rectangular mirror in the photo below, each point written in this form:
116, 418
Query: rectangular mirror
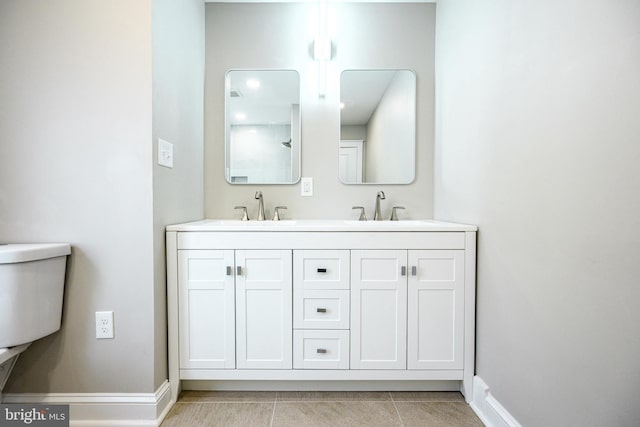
262, 126
377, 126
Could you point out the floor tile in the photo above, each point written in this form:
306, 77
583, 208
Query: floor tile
219, 414
227, 396
333, 396
331, 414
427, 396
437, 414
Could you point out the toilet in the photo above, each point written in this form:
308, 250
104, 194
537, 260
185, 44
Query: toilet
31, 292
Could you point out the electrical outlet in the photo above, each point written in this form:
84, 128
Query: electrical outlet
104, 324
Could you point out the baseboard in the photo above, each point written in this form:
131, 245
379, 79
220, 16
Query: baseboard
106, 409
488, 409
287, 385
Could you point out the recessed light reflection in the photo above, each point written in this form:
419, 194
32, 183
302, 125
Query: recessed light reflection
342, 105
253, 83
241, 116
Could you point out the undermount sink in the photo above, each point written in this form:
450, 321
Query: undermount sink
240, 223
388, 223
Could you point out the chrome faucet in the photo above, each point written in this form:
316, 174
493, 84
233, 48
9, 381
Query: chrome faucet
260, 206
377, 216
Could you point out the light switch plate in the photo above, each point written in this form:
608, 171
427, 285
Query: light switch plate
165, 153
306, 186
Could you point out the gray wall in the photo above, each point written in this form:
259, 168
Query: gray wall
537, 143
178, 115
389, 122
76, 165
277, 36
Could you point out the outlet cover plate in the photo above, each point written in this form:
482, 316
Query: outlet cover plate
104, 325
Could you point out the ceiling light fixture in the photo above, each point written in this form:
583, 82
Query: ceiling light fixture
322, 46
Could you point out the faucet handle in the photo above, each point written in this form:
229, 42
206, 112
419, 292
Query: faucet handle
258, 195
276, 214
363, 217
245, 214
394, 213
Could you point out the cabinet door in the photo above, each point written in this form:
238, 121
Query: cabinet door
206, 309
263, 309
378, 309
436, 309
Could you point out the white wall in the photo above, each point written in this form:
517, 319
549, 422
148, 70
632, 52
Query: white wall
353, 132
80, 103
257, 153
178, 117
390, 133
537, 143
75, 133
276, 35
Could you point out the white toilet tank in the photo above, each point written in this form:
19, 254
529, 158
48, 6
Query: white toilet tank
31, 291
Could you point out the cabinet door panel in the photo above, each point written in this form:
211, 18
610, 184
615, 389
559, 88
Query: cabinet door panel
207, 309
263, 309
378, 309
436, 310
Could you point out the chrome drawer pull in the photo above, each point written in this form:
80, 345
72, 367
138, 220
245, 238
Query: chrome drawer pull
414, 270
403, 270
239, 270
322, 270
321, 310
321, 350
229, 270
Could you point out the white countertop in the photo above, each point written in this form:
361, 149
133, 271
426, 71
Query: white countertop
320, 225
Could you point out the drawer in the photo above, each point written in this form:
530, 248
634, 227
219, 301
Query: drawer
319, 349
321, 309
324, 269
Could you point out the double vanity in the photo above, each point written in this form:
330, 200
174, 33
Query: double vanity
311, 300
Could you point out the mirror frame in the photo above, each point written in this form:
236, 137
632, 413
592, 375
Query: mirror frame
412, 137
227, 127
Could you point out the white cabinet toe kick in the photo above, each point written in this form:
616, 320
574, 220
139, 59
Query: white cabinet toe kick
313, 305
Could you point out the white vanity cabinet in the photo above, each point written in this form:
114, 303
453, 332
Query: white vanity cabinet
435, 309
322, 301
207, 309
321, 309
407, 309
263, 309
235, 300
379, 309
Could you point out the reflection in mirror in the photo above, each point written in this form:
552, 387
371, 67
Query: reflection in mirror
377, 126
262, 126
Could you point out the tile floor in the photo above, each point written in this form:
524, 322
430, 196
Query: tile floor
331, 409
